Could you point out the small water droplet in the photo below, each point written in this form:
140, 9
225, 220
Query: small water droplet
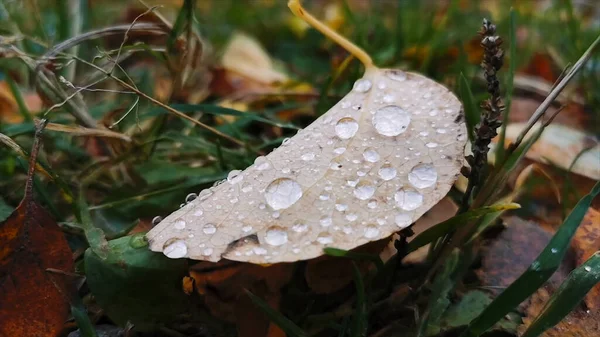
391, 120
423, 176
403, 220
324, 197
296, 250
234, 200
286, 142
351, 217
234, 177
371, 155
326, 221
204, 194
431, 145
371, 232
433, 112
276, 236
175, 250
341, 207
179, 224
441, 130
282, 193
352, 183
408, 200
339, 150
327, 119
335, 165
259, 251
261, 163
246, 188
308, 156
324, 238
299, 227
362, 85
190, 197
207, 251
156, 220
423, 133
209, 229
364, 190
372, 204
587, 268
246, 229
345, 105
387, 172
554, 250
346, 128
276, 215
396, 75
262, 206
388, 98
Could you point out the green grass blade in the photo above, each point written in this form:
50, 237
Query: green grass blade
354, 256
14, 89
472, 115
540, 270
289, 327
567, 297
512, 65
438, 299
183, 22
359, 327
443, 228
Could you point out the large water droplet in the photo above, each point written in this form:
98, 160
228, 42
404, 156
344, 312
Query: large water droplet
364, 190
209, 229
204, 194
407, 199
423, 176
396, 75
403, 220
308, 156
387, 172
261, 163
391, 120
282, 193
324, 238
179, 224
371, 155
371, 232
276, 236
362, 85
346, 128
175, 250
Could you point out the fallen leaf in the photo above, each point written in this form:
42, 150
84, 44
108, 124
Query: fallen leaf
370, 166
579, 322
9, 109
32, 301
512, 252
585, 243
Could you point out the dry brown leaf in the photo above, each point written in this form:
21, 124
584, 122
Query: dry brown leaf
579, 322
585, 243
32, 302
370, 166
9, 110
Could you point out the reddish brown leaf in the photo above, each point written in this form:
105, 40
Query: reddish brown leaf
33, 303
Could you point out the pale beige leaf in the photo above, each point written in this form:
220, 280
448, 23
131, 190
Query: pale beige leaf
370, 166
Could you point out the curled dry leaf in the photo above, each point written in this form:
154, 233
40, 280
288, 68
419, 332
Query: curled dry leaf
368, 167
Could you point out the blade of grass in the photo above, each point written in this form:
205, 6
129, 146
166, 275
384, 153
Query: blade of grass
472, 115
443, 228
354, 256
567, 297
23, 109
509, 85
360, 325
438, 299
540, 270
183, 22
289, 327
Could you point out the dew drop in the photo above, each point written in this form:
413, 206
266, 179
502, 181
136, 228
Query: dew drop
423, 176
282, 193
207, 251
388, 98
396, 75
408, 200
175, 250
431, 145
209, 229
299, 227
324, 238
403, 220
286, 142
261, 163
259, 251
371, 232
156, 220
554, 250
387, 172
324, 197
441, 130
204, 194
362, 85
391, 120
351, 217
371, 155
345, 104
364, 190
341, 207
276, 236
339, 150
179, 224
308, 156
346, 128
246, 188
372, 204
326, 221
234, 177
246, 229
587, 268
190, 197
